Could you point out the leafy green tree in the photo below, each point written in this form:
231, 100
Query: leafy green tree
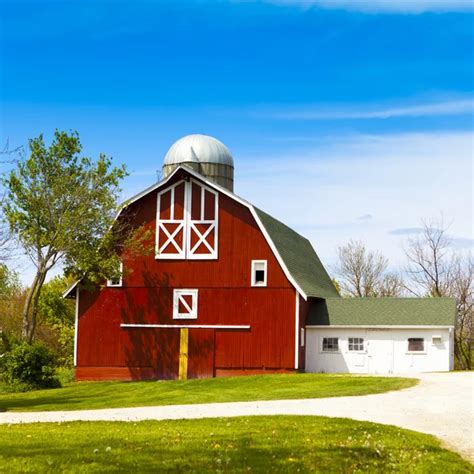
30, 366
9, 282
59, 313
61, 207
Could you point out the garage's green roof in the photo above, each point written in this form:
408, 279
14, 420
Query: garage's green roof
299, 257
383, 312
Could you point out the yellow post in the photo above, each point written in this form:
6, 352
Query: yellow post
183, 354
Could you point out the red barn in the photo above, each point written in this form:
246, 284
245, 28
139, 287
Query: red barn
226, 290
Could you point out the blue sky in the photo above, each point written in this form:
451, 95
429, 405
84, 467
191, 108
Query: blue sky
346, 119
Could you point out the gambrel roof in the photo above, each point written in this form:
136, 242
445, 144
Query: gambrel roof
383, 312
300, 258
295, 254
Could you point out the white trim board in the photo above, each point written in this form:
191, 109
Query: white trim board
374, 326
69, 290
76, 324
297, 329
197, 326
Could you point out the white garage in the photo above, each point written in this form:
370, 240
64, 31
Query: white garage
380, 336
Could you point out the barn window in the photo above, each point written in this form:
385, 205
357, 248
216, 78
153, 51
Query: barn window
187, 222
416, 344
116, 281
436, 340
259, 273
330, 344
356, 343
185, 304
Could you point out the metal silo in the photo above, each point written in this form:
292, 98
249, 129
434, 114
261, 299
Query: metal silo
204, 154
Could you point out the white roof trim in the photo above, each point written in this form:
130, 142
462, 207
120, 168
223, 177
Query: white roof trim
376, 326
232, 196
70, 289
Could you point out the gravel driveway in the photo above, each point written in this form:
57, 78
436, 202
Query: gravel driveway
442, 404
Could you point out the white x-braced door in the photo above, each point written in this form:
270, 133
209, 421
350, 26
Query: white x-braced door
187, 222
171, 222
202, 222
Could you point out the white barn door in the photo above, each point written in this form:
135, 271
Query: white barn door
187, 222
171, 222
379, 352
202, 222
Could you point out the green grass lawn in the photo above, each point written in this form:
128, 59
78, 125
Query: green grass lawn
89, 395
255, 444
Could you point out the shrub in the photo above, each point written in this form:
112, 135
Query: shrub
30, 366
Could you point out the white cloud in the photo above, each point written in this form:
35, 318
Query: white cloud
385, 6
400, 179
454, 107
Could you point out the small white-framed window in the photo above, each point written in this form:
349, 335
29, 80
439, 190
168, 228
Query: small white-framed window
436, 340
330, 344
416, 344
259, 273
116, 281
185, 304
356, 344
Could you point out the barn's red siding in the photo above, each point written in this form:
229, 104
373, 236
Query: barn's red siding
225, 298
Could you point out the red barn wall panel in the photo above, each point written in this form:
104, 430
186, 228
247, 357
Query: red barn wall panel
240, 242
268, 343
168, 353
225, 298
201, 353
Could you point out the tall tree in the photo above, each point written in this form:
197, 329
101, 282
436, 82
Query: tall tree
61, 206
363, 273
436, 270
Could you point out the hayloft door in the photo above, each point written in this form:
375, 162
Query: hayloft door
202, 222
171, 223
187, 222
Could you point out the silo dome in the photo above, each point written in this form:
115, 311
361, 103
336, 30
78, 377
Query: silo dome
204, 154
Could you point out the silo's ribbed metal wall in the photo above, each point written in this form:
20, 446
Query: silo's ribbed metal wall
203, 154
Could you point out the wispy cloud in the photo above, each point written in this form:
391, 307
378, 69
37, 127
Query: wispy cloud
400, 178
454, 107
406, 231
462, 242
459, 242
365, 217
384, 6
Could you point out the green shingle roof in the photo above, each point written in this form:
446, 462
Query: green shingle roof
383, 312
299, 257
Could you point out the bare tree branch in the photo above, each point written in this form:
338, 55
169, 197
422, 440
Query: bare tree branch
362, 273
436, 270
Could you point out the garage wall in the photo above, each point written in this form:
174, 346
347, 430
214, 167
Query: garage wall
385, 351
